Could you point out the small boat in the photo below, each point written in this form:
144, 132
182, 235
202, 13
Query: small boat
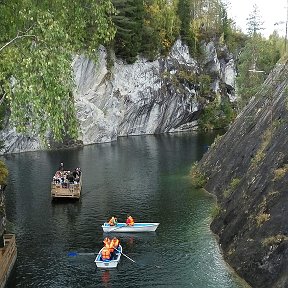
137, 227
110, 263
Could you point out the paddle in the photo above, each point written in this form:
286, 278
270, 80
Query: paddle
74, 254
125, 255
134, 260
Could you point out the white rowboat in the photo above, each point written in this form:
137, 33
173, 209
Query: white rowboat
137, 227
107, 264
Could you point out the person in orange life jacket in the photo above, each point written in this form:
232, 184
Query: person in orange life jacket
114, 244
113, 221
105, 254
111, 249
107, 242
130, 221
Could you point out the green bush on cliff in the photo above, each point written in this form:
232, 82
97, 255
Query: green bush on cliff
280, 172
274, 240
215, 210
198, 179
3, 173
217, 115
232, 186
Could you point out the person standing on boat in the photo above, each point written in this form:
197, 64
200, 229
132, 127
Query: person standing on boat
61, 167
113, 221
130, 220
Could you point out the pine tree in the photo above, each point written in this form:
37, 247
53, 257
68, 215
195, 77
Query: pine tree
184, 12
128, 21
254, 22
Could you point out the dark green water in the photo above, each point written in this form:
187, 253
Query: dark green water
145, 176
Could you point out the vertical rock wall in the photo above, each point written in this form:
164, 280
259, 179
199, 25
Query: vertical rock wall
247, 169
140, 98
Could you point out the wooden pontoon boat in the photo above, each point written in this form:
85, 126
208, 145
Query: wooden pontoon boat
63, 187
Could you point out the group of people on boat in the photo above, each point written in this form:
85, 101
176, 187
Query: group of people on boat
66, 177
129, 221
110, 248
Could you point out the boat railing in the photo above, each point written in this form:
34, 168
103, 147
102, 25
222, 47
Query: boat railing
8, 256
66, 189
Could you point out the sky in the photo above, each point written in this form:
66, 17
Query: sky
270, 11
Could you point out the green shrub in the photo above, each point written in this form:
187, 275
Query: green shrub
280, 172
3, 173
232, 186
217, 116
262, 218
198, 179
274, 240
215, 210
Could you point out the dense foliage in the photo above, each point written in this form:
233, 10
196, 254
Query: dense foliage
217, 115
37, 42
3, 173
151, 27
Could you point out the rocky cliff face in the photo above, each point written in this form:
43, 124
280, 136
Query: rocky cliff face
247, 169
141, 98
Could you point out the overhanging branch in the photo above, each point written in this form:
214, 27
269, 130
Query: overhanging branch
19, 36
14, 39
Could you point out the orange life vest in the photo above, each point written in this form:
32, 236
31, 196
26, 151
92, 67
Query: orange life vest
112, 221
111, 247
130, 221
107, 242
115, 242
105, 253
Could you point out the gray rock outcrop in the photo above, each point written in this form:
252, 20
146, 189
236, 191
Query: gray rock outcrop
140, 98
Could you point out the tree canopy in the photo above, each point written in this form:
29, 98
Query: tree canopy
37, 42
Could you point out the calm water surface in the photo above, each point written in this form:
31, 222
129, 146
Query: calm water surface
145, 176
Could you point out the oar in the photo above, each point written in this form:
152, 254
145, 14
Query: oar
134, 260
74, 254
125, 255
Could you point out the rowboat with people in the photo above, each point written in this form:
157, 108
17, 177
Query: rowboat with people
136, 227
112, 262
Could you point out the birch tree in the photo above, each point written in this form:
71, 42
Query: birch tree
37, 41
